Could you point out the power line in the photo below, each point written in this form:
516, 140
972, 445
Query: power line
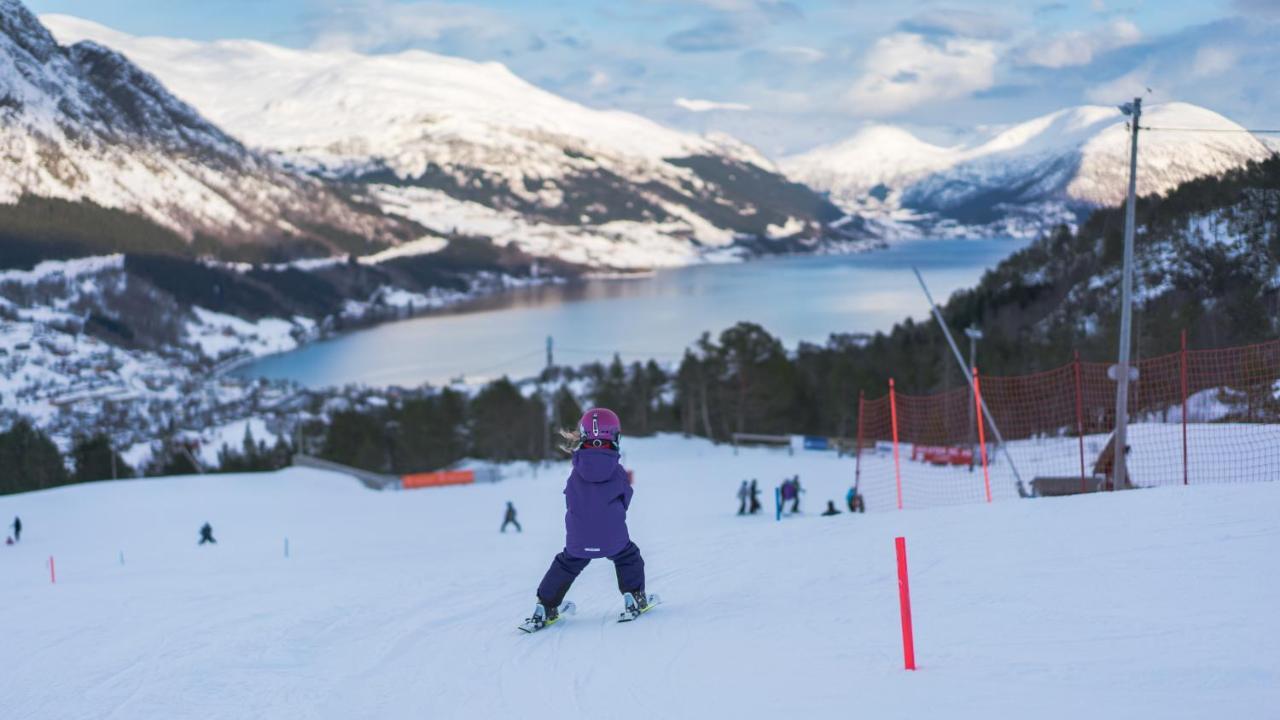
603, 351
1251, 131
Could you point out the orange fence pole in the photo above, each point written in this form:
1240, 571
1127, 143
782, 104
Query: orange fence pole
982, 434
1182, 358
893, 419
1080, 421
857, 461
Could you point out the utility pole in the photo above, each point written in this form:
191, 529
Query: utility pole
1119, 469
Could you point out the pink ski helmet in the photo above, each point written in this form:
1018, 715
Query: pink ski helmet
599, 427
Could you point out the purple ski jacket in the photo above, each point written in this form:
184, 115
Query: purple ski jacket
596, 497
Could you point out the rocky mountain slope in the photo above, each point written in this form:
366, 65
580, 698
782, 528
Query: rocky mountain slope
459, 145
1056, 168
83, 125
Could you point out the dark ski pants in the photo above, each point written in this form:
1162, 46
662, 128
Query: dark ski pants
511, 521
208, 539
742, 506
565, 569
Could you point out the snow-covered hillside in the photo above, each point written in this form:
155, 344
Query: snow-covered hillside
1034, 174
478, 133
83, 124
1153, 603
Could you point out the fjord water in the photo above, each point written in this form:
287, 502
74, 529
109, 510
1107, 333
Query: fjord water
805, 298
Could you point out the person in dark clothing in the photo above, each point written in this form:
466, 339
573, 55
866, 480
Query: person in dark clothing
755, 497
831, 509
597, 496
17, 529
510, 518
744, 494
206, 534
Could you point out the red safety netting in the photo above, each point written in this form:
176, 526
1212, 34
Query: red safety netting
1195, 416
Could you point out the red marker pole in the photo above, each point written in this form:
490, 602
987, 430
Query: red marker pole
53, 578
904, 599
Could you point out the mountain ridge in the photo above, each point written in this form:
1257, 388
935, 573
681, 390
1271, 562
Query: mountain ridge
1058, 167
83, 124
478, 133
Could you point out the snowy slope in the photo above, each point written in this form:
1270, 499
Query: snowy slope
476, 132
862, 171
1054, 166
1151, 603
82, 123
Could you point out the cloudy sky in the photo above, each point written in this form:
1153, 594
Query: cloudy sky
787, 75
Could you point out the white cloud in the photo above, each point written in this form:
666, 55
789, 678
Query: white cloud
800, 53
1126, 87
373, 25
1079, 47
700, 106
1210, 61
904, 70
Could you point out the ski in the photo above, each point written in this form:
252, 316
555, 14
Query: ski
633, 613
534, 624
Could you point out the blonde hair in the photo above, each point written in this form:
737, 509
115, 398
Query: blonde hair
570, 440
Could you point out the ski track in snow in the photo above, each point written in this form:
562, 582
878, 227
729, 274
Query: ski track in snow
1151, 603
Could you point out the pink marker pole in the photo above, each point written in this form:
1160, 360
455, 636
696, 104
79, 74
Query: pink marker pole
904, 599
53, 577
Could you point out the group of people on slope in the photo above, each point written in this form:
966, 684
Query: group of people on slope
789, 492
852, 500
749, 498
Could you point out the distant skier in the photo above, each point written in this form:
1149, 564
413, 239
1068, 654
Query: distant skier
510, 518
788, 492
744, 494
755, 497
597, 497
831, 509
791, 492
206, 535
17, 529
854, 500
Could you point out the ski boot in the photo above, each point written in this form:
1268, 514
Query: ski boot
635, 604
544, 616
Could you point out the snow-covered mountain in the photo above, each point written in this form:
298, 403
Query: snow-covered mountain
435, 132
1047, 170
82, 124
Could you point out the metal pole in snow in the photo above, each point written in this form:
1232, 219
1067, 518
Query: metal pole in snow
937, 315
1119, 467
286, 547
53, 577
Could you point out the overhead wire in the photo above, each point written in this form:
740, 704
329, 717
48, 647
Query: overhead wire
1251, 131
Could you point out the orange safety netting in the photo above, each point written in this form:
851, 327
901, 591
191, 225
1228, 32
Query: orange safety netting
1195, 416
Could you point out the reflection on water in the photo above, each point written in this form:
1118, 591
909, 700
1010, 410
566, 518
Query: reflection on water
657, 316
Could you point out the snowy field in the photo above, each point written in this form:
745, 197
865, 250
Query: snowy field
1149, 603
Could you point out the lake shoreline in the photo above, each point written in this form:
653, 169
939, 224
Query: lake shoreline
615, 313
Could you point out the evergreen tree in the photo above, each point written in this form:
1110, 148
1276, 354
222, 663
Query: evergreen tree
95, 459
29, 460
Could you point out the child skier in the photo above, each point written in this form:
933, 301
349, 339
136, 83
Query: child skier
597, 497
